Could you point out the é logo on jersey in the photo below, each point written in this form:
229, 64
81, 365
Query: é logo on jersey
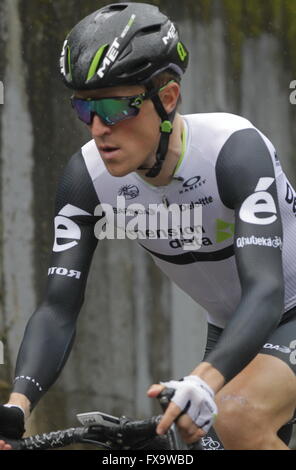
259, 202
65, 228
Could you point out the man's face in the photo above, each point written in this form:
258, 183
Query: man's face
130, 143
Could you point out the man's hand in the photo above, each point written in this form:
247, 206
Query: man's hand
4, 446
193, 397
12, 424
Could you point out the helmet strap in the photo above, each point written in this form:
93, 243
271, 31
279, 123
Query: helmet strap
166, 128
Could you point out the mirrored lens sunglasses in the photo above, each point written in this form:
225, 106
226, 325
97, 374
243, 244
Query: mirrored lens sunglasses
110, 110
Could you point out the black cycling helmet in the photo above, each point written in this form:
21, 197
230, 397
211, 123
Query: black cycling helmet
125, 44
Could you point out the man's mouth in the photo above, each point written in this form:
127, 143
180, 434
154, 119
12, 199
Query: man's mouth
108, 150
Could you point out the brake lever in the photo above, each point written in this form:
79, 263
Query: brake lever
165, 397
175, 439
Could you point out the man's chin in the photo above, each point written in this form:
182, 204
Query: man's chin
118, 172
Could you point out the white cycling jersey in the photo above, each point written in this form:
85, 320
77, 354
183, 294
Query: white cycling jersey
208, 275
244, 274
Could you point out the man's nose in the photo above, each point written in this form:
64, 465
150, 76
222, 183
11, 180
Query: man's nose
98, 128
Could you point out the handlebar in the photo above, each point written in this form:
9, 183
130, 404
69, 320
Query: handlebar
48, 440
109, 432
123, 435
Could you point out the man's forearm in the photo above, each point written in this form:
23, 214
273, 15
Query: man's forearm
47, 342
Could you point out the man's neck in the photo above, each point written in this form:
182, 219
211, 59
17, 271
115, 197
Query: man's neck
172, 157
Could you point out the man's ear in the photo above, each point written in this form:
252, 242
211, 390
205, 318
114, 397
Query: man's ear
169, 96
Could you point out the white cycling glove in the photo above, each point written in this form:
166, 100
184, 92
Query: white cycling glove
194, 397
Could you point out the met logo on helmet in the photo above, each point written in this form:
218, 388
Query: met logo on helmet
110, 57
171, 34
65, 60
113, 50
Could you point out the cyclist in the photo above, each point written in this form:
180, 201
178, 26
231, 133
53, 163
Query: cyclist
124, 64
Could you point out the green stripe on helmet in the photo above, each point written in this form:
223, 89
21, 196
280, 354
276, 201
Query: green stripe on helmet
131, 20
95, 62
69, 62
181, 51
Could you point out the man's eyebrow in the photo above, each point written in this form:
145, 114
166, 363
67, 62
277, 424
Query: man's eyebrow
80, 97
76, 94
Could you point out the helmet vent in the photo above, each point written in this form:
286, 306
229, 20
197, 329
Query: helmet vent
150, 30
110, 10
137, 68
117, 7
141, 66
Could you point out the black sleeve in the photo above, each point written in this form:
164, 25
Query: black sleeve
246, 183
50, 332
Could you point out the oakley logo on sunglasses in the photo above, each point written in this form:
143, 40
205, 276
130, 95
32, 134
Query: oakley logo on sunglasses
113, 50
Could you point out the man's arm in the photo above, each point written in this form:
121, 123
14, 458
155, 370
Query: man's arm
246, 181
50, 332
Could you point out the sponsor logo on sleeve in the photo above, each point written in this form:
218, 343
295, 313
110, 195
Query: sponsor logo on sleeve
284, 349
66, 229
277, 347
291, 198
261, 202
64, 272
274, 242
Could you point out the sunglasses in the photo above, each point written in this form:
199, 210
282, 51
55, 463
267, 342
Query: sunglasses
110, 110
